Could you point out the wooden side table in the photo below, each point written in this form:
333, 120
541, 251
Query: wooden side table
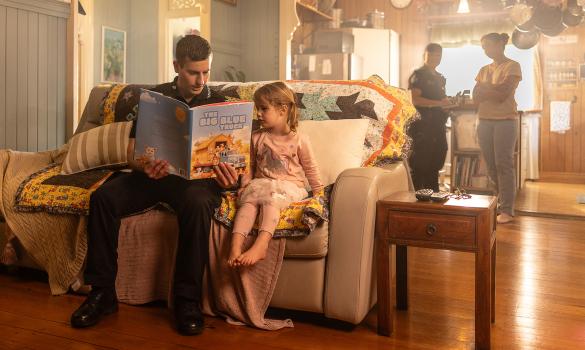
459, 224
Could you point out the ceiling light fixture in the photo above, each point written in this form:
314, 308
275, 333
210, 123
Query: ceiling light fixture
463, 6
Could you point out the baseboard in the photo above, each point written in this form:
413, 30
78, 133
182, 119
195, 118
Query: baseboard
561, 177
548, 215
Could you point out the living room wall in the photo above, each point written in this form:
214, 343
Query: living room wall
33, 66
245, 36
139, 19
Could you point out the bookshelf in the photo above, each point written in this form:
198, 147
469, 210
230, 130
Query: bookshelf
468, 169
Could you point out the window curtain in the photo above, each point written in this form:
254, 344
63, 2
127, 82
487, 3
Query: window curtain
460, 34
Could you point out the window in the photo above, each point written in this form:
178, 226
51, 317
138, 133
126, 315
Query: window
460, 66
178, 28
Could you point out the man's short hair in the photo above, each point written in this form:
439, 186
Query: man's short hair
193, 48
433, 47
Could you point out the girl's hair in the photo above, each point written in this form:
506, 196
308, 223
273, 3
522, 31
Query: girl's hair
279, 94
433, 47
497, 37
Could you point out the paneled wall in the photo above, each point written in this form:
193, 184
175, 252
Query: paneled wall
259, 39
562, 156
32, 74
225, 38
143, 42
411, 26
246, 37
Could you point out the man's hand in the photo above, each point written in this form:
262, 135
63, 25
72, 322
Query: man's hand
156, 169
446, 103
226, 175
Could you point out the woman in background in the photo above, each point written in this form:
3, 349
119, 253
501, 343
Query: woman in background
429, 138
494, 91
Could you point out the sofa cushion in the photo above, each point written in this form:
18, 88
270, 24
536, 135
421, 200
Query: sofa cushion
337, 145
311, 246
99, 147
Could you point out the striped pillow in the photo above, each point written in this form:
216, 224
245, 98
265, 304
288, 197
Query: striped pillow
98, 147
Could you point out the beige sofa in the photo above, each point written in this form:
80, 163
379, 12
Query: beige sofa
331, 272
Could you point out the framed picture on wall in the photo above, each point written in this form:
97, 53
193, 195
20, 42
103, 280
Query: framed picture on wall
582, 71
113, 55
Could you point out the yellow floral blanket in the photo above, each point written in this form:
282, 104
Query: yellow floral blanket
47, 190
297, 220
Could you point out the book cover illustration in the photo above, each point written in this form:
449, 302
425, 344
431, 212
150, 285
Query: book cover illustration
221, 133
193, 140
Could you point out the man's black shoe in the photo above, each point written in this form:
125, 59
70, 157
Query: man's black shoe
99, 302
188, 317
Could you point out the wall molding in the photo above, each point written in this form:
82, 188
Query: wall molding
48, 7
569, 178
226, 46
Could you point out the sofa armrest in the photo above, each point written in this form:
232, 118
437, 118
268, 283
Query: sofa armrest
350, 280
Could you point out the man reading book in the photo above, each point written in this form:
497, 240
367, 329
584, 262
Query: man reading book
148, 184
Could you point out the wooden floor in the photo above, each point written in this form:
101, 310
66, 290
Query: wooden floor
540, 304
547, 198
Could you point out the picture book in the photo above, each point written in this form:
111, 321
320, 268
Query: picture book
193, 140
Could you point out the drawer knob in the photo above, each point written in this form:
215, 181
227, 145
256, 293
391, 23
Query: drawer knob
431, 229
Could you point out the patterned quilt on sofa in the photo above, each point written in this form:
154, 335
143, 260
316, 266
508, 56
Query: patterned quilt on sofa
387, 108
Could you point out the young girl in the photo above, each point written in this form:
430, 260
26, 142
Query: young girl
281, 158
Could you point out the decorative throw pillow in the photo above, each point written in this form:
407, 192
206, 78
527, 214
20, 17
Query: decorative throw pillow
337, 144
99, 147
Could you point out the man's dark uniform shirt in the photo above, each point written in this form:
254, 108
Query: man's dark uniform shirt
429, 141
432, 86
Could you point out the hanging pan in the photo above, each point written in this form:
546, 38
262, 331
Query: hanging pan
547, 17
573, 14
521, 16
549, 20
554, 30
525, 40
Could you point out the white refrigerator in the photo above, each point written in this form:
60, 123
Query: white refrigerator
327, 66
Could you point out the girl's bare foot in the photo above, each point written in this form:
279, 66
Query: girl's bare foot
235, 252
235, 249
257, 251
251, 256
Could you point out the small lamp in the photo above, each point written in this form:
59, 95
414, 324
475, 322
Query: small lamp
463, 6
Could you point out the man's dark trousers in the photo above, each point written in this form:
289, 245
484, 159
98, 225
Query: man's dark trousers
128, 193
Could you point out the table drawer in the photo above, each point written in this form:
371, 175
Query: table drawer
448, 229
